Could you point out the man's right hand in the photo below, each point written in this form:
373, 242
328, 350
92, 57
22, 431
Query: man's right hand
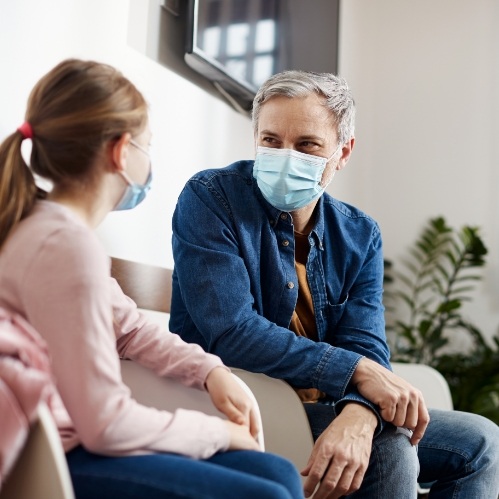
400, 403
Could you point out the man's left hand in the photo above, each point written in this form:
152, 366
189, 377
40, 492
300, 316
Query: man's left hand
340, 456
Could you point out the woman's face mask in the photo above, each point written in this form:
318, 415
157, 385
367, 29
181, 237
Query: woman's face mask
134, 193
289, 179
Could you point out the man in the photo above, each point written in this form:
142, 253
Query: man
276, 276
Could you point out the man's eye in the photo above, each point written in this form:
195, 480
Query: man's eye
270, 142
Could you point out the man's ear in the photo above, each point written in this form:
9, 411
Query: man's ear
119, 152
346, 152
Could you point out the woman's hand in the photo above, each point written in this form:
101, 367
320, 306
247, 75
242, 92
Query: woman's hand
230, 399
240, 437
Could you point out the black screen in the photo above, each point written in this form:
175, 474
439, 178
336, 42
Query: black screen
240, 43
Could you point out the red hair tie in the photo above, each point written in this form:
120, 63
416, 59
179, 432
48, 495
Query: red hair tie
26, 130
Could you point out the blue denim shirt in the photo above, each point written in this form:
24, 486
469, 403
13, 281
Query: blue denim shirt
235, 286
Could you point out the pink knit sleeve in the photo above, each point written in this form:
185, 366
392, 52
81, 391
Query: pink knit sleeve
156, 348
69, 298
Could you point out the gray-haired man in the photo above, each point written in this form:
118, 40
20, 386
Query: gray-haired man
275, 276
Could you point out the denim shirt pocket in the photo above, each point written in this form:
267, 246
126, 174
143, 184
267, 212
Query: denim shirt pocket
334, 312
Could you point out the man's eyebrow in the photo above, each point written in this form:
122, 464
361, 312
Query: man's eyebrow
301, 137
268, 132
311, 137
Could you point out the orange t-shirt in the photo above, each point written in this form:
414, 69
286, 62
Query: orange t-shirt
303, 319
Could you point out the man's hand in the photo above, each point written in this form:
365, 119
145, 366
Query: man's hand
341, 454
400, 403
230, 399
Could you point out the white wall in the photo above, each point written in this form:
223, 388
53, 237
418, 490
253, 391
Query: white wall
191, 129
425, 76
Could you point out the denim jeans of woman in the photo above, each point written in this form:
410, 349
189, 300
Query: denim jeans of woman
227, 475
459, 455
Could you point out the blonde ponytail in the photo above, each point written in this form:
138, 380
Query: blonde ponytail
17, 185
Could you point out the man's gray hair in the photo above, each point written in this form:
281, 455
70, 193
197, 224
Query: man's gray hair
334, 89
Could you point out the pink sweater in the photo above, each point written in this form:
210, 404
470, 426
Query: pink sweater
55, 274
24, 383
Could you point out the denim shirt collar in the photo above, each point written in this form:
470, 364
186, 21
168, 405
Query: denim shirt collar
274, 216
318, 230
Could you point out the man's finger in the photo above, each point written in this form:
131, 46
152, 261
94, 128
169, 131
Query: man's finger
423, 420
314, 471
328, 488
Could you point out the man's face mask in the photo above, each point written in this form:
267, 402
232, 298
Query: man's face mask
289, 179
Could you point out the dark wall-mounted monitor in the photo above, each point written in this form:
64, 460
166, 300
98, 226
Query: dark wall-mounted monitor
240, 43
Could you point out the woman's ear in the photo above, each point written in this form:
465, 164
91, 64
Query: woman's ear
119, 151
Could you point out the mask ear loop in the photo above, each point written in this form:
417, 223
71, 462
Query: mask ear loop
340, 147
332, 155
329, 159
125, 177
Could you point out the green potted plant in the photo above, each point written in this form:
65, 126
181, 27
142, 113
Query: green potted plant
424, 314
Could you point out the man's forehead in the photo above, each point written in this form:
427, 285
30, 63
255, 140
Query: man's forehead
311, 103
304, 116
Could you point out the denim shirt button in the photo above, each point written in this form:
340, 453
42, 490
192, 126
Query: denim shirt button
284, 216
285, 242
291, 285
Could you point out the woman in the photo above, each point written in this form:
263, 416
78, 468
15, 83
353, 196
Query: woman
89, 131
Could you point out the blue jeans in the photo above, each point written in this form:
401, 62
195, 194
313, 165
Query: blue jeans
241, 474
459, 453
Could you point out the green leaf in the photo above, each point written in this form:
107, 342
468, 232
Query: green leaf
436, 278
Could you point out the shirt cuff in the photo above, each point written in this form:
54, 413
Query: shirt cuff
335, 370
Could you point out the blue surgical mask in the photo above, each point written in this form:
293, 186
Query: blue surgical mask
134, 193
289, 179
